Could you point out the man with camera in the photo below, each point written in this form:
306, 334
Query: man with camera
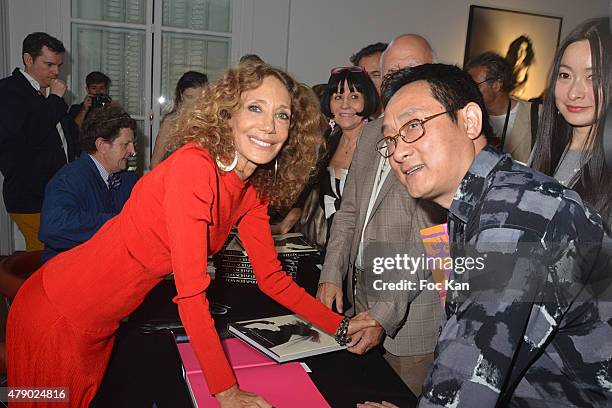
83, 195
37, 137
96, 84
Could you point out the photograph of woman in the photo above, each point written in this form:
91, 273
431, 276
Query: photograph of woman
249, 140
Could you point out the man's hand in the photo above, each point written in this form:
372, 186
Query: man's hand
327, 293
234, 397
366, 339
87, 103
57, 87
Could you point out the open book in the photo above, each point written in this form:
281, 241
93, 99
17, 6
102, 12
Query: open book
286, 385
284, 338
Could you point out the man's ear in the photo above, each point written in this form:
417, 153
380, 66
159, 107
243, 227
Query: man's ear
100, 144
497, 85
472, 120
28, 61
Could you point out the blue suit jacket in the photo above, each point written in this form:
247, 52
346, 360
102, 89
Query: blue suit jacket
77, 203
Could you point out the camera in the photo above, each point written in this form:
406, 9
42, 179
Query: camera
98, 101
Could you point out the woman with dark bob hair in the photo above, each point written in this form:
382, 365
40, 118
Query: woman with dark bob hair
349, 100
249, 140
570, 142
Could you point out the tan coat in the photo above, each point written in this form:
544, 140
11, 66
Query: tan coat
518, 141
411, 319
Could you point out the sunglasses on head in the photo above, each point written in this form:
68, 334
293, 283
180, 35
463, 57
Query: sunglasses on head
352, 68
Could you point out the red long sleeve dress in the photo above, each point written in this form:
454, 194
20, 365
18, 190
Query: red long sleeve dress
177, 215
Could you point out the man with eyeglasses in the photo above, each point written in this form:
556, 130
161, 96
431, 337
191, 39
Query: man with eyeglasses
512, 119
85, 194
378, 219
531, 328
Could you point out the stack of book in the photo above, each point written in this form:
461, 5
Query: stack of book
232, 263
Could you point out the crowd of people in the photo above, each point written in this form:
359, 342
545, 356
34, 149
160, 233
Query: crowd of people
391, 145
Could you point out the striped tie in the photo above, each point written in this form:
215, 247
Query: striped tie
113, 181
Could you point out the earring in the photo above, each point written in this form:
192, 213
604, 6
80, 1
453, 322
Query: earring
332, 124
275, 169
228, 167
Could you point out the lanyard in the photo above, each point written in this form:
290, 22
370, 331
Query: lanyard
503, 137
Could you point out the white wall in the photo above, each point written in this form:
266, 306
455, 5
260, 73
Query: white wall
324, 33
308, 37
28, 16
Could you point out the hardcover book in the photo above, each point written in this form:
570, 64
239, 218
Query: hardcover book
284, 338
285, 385
233, 264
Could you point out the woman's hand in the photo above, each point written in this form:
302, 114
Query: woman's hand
234, 397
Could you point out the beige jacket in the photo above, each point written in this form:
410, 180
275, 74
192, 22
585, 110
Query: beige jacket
411, 319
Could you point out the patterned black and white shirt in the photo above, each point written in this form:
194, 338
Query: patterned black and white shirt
534, 328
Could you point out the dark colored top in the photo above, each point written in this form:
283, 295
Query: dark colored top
333, 139
74, 110
534, 328
77, 203
31, 150
318, 177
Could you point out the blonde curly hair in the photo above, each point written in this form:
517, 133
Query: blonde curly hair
206, 123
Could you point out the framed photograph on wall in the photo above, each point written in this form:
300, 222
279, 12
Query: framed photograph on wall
529, 42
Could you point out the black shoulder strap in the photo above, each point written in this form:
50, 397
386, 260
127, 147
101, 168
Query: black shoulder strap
535, 108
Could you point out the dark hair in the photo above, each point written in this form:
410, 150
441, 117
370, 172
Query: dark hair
368, 50
498, 69
358, 82
104, 122
555, 134
33, 44
253, 58
449, 85
513, 51
190, 79
97, 77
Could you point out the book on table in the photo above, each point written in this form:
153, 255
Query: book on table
284, 338
233, 264
282, 385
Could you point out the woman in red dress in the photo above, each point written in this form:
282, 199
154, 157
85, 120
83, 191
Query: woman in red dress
251, 140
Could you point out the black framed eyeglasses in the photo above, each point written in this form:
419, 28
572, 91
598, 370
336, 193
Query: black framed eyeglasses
485, 80
410, 132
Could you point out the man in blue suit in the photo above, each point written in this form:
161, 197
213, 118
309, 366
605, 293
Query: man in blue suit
83, 195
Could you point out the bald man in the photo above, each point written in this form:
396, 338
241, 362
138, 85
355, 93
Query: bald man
378, 218
407, 50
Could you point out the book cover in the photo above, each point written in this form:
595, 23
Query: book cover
239, 354
284, 338
293, 243
285, 385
